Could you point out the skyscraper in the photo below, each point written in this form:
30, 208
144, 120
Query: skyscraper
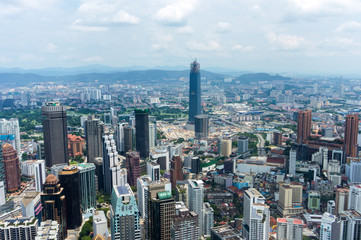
242, 144
124, 214
351, 134
70, 180
142, 132
304, 119
289, 228
184, 224
201, 125
120, 137
53, 201
256, 218
290, 199
11, 128
330, 227
341, 200
12, 168
93, 136
87, 186
128, 138
354, 198
195, 198
176, 171
39, 172
194, 91
153, 170
55, 134
133, 168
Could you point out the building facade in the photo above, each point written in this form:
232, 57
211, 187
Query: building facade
11, 167
133, 167
94, 130
142, 132
87, 186
351, 134
304, 121
195, 107
201, 126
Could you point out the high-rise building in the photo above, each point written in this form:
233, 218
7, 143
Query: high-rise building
351, 134
124, 215
256, 216
330, 227
290, 200
2, 169
314, 200
341, 200
304, 119
161, 155
277, 138
226, 147
12, 168
111, 166
355, 169
87, 186
31, 205
53, 201
142, 194
69, 179
161, 213
152, 134
153, 170
292, 162
242, 144
39, 171
2, 193
195, 199
176, 171
76, 145
352, 226
331, 207
289, 228
19, 228
55, 134
11, 131
196, 165
133, 167
48, 230
225, 232
119, 137
201, 126
99, 174
55, 169
128, 138
100, 224
94, 130
184, 224
142, 132
195, 104
208, 219
354, 198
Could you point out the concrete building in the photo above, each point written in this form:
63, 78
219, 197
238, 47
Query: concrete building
242, 144
289, 228
35, 169
124, 215
292, 162
12, 168
351, 134
341, 200
195, 198
94, 130
314, 200
256, 216
100, 224
55, 131
185, 223
2, 193
226, 147
304, 121
111, 166
119, 137
133, 167
142, 132
11, 131
201, 126
330, 227
354, 198
176, 171
290, 199
31, 205
225, 232
19, 228
55, 169
48, 230
355, 169
161, 156
208, 219
352, 226
152, 134
153, 170
331, 207
129, 139
87, 186
142, 194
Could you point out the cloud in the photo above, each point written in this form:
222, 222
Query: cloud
349, 26
201, 46
223, 27
175, 14
77, 25
339, 43
50, 48
93, 59
185, 30
239, 47
285, 41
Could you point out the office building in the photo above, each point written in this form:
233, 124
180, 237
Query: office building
10, 130
292, 162
152, 134
142, 132
87, 186
304, 121
330, 227
176, 171
55, 134
201, 126
55, 169
351, 134
277, 138
195, 199
290, 200
19, 228
341, 200
256, 216
226, 147
100, 224
128, 138
75, 145
225, 232
53, 201
314, 200
111, 167
355, 170
196, 165
99, 174
94, 130
2, 169
153, 170
185, 223
354, 198
12, 168
195, 107
31, 205
124, 215
289, 228
208, 219
48, 230
242, 144
229, 166
133, 167
39, 170
69, 179
119, 137
161, 213
2, 193
331, 207
161, 156
352, 226
142, 194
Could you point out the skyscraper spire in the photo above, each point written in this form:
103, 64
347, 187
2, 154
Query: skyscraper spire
194, 91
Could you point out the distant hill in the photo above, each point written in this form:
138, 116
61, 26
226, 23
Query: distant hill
255, 77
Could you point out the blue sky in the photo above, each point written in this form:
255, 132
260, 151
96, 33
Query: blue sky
302, 36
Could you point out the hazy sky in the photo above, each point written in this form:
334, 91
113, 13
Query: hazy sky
258, 35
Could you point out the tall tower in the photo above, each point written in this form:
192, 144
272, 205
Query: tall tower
351, 133
93, 135
133, 168
176, 171
194, 91
142, 132
12, 168
111, 166
55, 134
195, 196
303, 126
201, 126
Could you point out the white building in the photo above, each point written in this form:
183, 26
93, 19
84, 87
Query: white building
100, 224
35, 169
208, 219
153, 171
23, 227
330, 227
289, 228
123, 177
321, 157
30, 204
161, 155
152, 134
120, 137
292, 162
11, 127
256, 216
2, 193
195, 198
48, 230
355, 170
354, 198
331, 207
142, 193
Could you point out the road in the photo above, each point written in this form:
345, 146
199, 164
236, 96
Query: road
260, 145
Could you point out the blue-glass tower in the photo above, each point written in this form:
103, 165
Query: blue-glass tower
194, 91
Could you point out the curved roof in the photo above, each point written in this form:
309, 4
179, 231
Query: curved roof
51, 179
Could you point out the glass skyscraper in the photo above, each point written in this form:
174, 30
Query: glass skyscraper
194, 91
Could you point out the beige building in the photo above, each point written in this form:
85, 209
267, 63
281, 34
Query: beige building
226, 147
290, 199
341, 200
